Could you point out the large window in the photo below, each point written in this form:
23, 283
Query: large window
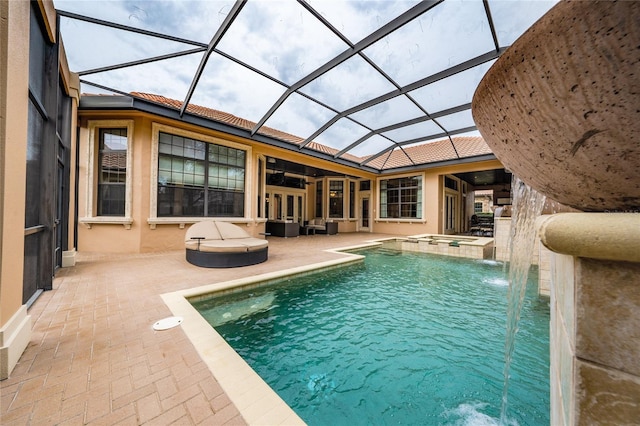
197, 178
112, 177
336, 198
401, 198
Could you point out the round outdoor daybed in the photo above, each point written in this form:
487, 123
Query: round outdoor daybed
212, 244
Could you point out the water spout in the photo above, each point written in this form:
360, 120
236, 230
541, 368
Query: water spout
527, 207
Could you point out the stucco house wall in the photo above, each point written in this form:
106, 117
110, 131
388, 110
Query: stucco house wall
15, 35
141, 231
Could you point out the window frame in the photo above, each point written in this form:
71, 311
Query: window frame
154, 219
100, 183
420, 200
340, 205
91, 206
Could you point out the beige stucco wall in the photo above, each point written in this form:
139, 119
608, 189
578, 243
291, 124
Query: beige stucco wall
141, 236
433, 200
14, 83
15, 323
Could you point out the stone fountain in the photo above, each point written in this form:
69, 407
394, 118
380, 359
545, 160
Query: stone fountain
561, 110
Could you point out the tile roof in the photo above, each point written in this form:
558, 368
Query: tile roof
221, 116
424, 153
471, 146
431, 152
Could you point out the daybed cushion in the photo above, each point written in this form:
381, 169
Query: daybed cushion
255, 243
223, 246
229, 231
221, 237
192, 244
206, 229
233, 246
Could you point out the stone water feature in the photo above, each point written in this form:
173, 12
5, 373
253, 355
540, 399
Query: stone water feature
561, 110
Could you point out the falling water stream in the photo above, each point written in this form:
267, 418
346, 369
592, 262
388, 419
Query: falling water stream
527, 207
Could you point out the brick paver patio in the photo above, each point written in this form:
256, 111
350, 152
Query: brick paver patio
95, 359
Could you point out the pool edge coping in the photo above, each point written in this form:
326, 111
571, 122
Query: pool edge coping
256, 401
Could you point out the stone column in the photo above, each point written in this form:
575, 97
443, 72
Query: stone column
595, 317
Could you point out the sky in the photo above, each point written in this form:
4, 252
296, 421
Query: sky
285, 42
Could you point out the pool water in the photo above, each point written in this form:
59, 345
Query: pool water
402, 338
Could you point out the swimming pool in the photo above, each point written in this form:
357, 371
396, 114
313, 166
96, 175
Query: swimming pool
400, 338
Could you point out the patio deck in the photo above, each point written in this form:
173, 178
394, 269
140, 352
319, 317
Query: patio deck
95, 359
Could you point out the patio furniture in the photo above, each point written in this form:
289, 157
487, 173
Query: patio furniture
212, 244
280, 228
307, 229
320, 226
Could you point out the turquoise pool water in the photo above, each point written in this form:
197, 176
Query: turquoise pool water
402, 338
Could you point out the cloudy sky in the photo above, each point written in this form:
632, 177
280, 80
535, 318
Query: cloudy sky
283, 40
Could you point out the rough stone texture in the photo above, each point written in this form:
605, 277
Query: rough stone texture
608, 314
560, 107
605, 396
595, 321
612, 236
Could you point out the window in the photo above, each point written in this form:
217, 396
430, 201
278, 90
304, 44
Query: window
336, 198
197, 178
477, 207
300, 218
401, 198
277, 206
112, 177
365, 185
290, 207
450, 213
450, 183
319, 199
109, 181
352, 200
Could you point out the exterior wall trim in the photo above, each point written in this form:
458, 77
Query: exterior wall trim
90, 217
423, 200
14, 338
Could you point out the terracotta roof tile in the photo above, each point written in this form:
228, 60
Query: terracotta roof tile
352, 157
211, 113
428, 152
221, 116
268, 131
470, 146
